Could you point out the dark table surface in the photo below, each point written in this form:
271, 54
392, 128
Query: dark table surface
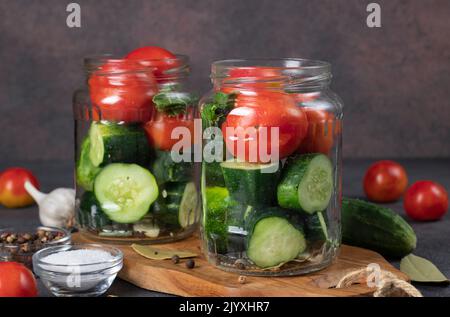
433, 237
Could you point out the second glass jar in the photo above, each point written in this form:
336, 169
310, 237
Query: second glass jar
131, 185
271, 173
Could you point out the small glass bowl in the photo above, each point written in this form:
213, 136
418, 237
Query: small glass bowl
83, 280
23, 252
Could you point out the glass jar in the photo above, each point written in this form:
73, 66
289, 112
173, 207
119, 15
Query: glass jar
271, 171
133, 181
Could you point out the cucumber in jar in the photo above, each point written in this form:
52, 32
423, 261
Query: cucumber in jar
166, 170
306, 183
275, 236
316, 228
117, 143
177, 205
91, 214
125, 191
251, 183
85, 170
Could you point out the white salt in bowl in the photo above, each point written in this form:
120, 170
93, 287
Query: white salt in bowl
78, 269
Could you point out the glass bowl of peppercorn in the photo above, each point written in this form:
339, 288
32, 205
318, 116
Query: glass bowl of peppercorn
19, 245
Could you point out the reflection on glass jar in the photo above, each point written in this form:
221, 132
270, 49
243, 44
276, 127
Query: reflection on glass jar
129, 187
271, 171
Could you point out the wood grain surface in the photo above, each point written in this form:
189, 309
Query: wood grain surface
206, 280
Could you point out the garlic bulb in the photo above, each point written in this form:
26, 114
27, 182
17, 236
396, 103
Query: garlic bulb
57, 208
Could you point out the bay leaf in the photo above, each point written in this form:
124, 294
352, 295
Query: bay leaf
160, 254
421, 270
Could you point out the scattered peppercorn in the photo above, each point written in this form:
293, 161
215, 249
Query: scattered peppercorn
242, 279
190, 264
175, 259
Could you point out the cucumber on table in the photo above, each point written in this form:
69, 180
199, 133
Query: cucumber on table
90, 213
85, 170
118, 143
377, 228
166, 170
275, 236
177, 205
250, 183
125, 191
306, 183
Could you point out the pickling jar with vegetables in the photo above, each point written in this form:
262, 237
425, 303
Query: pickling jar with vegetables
131, 184
271, 170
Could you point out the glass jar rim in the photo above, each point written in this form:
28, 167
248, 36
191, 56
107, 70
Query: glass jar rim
93, 63
221, 68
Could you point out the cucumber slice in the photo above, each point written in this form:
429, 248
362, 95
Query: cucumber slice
166, 170
177, 205
118, 143
85, 170
251, 184
306, 184
274, 238
125, 191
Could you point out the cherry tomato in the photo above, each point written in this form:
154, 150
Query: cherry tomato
264, 109
159, 130
425, 201
16, 280
122, 91
385, 181
12, 190
157, 57
257, 76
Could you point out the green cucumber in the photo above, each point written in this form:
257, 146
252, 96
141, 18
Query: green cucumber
125, 191
118, 143
213, 174
177, 205
251, 184
316, 228
275, 237
90, 213
215, 217
377, 228
306, 183
85, 170
166, 170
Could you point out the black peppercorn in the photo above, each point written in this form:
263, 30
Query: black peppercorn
175, 259
190, 264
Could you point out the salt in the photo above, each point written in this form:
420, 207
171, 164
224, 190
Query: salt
78, 257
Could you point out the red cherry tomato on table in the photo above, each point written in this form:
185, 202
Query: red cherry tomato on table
385, 181
159, 130
12, 190
425, 201
264, 109
157, 57
16, 280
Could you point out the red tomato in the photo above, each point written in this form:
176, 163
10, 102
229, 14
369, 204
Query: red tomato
425, 201
157, 57
264, 109
385, 181
159, 130
258, 75
122, 91
16, 280
12, 191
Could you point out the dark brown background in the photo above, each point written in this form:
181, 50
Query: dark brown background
394, 80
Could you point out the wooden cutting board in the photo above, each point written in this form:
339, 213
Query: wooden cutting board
206, 280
